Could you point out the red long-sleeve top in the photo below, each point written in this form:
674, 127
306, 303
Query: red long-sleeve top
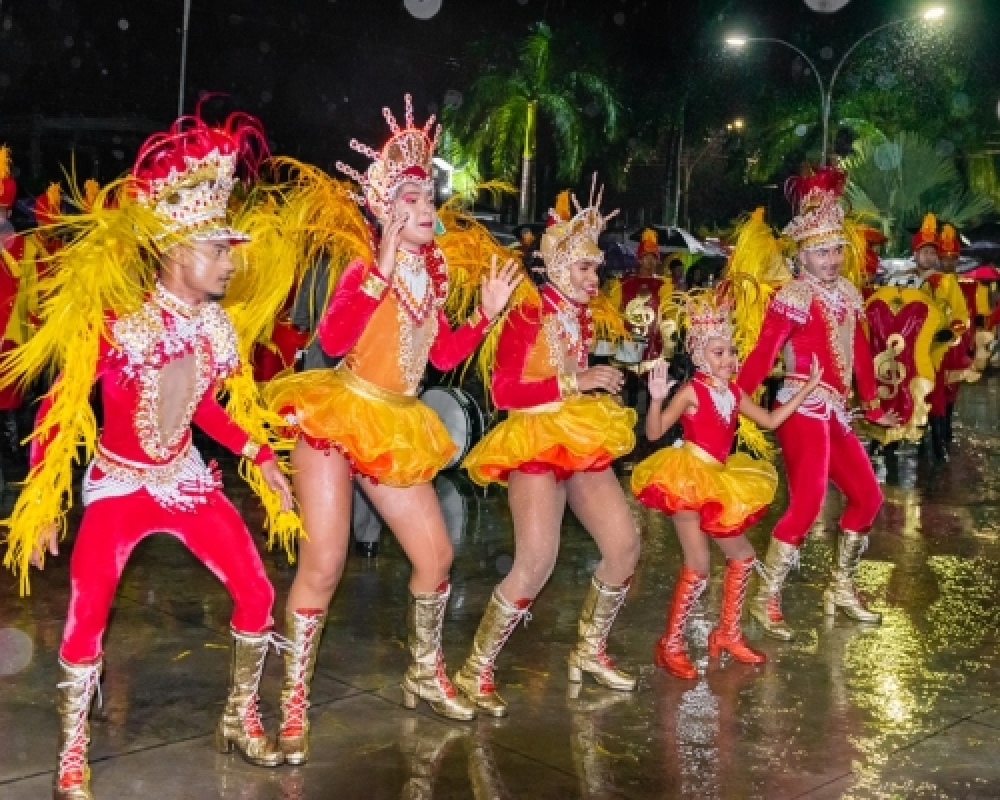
804, 320
384, 341
538, 345
139, 346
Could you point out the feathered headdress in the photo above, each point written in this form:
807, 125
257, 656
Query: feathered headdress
648, 243
819, 221
708, 317
951, 245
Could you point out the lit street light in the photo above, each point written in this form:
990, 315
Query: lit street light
738, 41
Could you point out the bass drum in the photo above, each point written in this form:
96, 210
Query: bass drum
461, 416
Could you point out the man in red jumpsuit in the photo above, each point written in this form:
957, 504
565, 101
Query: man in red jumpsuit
159, 367
818, 315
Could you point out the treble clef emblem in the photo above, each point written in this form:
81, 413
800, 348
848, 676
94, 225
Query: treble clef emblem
639, 314
889, 371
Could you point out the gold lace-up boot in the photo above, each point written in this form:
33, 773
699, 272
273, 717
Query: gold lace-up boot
765, 607
475, 678
842, 592
600, 608
77, 687
240, 726
304, 629
426, 678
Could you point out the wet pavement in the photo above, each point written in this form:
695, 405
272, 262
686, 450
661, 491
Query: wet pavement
909, 709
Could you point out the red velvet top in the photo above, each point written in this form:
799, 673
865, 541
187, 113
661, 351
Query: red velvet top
373, 325
713, 425
141, 346
805, 320
538, 344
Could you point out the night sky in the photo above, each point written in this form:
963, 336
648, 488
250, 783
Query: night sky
318, 71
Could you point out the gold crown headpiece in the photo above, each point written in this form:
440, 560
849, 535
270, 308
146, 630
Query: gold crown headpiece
568, 240
820, 219
707, 319
405, 158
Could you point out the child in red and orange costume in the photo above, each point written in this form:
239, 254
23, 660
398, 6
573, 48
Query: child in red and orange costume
819, 315
709, 493
161, 348
555, 448
387, 318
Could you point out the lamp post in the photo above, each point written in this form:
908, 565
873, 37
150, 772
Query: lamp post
184, 55
737, 42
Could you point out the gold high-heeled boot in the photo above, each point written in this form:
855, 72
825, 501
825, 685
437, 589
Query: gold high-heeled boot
600, 608
475, 678
240, 726
765, 607
78, 684
842, 593
304, 631
426, 678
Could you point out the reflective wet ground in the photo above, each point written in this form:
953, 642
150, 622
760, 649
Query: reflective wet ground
910, 709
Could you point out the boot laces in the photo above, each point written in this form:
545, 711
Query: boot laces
250, 717
73, 758
297, 704
732, 618
487, 684
675, 639
605, 630
774, 612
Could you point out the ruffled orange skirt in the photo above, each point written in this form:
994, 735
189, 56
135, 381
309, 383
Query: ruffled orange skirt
730, 496
391, 438
582, 434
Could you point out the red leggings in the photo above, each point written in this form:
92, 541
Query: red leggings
110, 530
817, 452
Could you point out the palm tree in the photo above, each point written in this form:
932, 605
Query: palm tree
902, 178
499, 121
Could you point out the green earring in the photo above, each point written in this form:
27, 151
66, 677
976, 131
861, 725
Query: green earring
439, 228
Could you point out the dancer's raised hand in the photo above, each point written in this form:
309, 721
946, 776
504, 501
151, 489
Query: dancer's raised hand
391, 232
660, 381
499, 286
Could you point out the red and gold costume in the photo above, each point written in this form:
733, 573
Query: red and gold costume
805, 320
551, 429
160, 363
730, 492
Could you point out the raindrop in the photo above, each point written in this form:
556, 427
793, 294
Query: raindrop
123, 24
619, 18
345, 98
266, 96
68, 41
826, 53
116, 139
265, 47
331, 107
453, 98
503, 564
888, 155
807, 71
75, 62
104, 71
16, 649
885, 80
8, 23
4, 80
801, 130
960, 103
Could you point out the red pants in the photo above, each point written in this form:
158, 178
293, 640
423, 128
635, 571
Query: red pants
816, 452
112, 527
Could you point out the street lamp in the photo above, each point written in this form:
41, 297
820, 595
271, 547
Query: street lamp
738, 41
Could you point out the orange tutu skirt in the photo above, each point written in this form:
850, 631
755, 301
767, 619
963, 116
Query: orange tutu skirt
582, 434
391, 438
730, 496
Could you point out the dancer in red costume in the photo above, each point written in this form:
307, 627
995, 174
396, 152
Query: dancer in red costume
160, 352
555, 448
818, 315
708, 493
386, 317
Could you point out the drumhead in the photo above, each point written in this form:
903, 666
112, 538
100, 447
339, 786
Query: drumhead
461, 416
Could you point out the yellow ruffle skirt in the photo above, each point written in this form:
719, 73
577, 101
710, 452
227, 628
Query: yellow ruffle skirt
730, 496
391, 438
582, 434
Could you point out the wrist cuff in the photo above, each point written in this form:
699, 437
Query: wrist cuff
568, 387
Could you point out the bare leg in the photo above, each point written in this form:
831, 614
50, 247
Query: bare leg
694, 541
736, 548
537, 503
599, 503
414, 516
322, 483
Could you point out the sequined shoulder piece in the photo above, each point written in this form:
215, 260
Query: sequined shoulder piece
222, 333
137, 335
793, 301
852, 297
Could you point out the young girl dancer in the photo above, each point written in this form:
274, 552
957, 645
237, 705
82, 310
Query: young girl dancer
708, 492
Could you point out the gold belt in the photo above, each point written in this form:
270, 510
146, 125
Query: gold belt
359, 385
701, 453
124, 469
